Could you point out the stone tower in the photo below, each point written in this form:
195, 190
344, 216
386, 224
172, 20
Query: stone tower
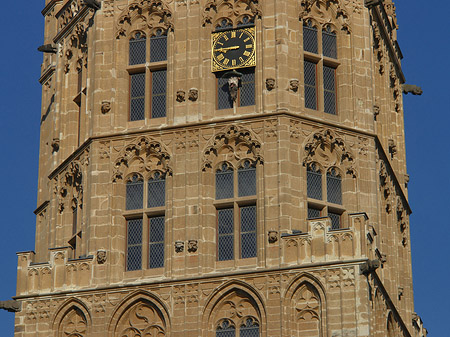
220, 168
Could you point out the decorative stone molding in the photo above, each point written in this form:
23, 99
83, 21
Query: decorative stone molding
148, 154
329, 150
235, 10
320, 11
233, 142
154, 14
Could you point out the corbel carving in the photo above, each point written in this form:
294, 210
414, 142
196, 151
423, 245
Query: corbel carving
101, 256
55, 145
192, 246
106, 107
272, 236
179, 246
369, 267
270, 84
293, 85
181, 96
193, 94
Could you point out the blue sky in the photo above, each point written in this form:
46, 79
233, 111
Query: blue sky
424, 39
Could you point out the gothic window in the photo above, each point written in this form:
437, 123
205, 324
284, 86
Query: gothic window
236, 211
148, 75
320, 64
145, 219
320, 185
249, 327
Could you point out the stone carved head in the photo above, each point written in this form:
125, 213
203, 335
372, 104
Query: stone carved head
270, 83
179, 246
192, 246
106, 107
181, 96
193, 94
273, 236
101, 256
293, 85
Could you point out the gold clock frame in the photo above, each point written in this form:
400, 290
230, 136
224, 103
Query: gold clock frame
251, 62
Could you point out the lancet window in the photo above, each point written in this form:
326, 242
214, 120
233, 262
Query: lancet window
148, 75
320, 65
236, 211
324, 192
145, 206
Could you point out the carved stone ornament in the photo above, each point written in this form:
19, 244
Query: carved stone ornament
11, 305
235, 11
233, 143
181, 96
413, 89
376, 110
233, 86
143, 154
270, 84
392, 147
106, 107
329, 150
320, 11
153, 14
101, 256
55, 145
179, 246
192, 246
293, 85
273, 236
193, 94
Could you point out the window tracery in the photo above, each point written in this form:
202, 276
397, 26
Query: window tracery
141, 320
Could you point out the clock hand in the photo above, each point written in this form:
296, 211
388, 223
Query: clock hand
222, 50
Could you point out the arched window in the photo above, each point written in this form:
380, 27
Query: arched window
236, 211
249, 328
319, 185
152, 74
226, 329
151, 219
320, 64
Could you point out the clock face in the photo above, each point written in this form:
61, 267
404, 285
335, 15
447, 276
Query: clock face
233, 49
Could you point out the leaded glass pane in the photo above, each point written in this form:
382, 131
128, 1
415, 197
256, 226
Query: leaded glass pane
250, 329
313, 213
329, 44
134, 193
158, 47
225, 329
247, 89
246, 180
224, 100
156, 242
159, 87
224, 183
246, 21
225, 229
137, 52
335, 220
329, 86
224, 25
137, 96
156, 191
334, 187
310, 85
314, 182
134, 244
310, 38
248, 232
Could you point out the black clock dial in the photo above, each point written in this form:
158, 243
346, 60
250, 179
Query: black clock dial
233, 49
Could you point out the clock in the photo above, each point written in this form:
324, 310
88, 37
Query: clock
233, 49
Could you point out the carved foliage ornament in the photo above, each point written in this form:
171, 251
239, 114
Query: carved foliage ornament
232, 144
142, 320
326, 12
146, 154
153, 14
329, 150
74, 324
216, 11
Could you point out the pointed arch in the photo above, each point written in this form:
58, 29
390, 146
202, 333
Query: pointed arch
327, 12
233, 144
305, 306
140, 313
235, 10
328, 149
72, 319
142, 155
153, 15
235, 303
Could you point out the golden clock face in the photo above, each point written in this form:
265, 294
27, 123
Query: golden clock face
233, 49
